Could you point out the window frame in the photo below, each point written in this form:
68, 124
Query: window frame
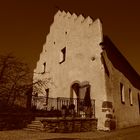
47, 95
122, 93
63, 55
130, 97
139, 102
44, 68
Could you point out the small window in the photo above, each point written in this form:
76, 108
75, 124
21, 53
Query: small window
47, 95
139, 102
44, 67
122, 93
62, 55
130, 97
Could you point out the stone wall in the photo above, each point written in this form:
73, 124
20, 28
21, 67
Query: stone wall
69, 125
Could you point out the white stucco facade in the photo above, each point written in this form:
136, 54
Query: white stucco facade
75, 40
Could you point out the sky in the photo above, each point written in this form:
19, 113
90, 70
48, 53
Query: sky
24, 25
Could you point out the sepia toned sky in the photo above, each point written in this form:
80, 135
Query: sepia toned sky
25, 24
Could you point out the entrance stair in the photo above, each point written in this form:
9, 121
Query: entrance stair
35, 125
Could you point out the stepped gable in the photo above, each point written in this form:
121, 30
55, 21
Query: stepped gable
68, 15
74, 16
80, 18
72, 19
62, 15
88, 20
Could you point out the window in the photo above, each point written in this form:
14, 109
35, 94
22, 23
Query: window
122, 93
139, 102
130, 97
62, 55
44, 67
47, 95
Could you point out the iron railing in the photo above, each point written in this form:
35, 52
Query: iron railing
68, 106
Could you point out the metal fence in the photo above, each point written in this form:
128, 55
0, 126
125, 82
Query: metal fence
68, 106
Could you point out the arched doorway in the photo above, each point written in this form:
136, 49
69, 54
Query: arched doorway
74, 95
80, 97
75, 90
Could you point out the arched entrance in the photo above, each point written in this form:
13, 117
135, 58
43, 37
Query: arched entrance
75, 90
74, 95
80, 97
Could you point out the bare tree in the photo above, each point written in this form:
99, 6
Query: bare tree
15, 79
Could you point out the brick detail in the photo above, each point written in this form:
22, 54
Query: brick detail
110, 116
110, 123
107, 104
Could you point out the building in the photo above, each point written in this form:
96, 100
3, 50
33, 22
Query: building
83, 63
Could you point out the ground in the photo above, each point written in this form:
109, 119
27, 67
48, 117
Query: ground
123, 134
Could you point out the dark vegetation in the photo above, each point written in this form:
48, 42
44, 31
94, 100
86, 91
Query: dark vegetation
16, 88
15, 93
15, 83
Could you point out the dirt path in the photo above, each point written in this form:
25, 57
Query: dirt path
124, 134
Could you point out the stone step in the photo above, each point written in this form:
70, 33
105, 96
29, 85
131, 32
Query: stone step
45, 118
34, 130
36, 122
34, 126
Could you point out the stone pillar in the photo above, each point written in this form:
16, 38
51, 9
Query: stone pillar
110, 121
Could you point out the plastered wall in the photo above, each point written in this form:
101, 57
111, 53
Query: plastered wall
81, 37
126, 115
